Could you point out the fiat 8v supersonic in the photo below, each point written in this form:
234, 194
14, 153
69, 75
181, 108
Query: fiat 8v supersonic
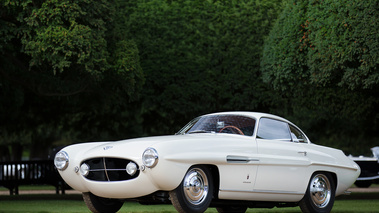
231, 161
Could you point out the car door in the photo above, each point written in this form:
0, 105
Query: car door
283, 159
238, 173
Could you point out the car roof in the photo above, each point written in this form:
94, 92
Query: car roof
256, 115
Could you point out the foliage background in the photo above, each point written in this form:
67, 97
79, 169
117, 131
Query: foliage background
64, 65
324, 56
199, 57
82, 70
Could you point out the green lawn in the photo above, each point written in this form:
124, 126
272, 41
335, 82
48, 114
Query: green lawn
357, 202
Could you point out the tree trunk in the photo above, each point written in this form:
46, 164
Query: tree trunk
4, 153
16, 152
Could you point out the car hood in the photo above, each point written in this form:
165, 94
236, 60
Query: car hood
158, 140
133, 148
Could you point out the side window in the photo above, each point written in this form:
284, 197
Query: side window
297, 136
273, 130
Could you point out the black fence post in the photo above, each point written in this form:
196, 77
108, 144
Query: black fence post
14, 174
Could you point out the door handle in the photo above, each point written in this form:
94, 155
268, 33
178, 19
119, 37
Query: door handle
240, 159
303, 152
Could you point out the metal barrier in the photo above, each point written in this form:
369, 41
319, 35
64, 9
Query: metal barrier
14, 174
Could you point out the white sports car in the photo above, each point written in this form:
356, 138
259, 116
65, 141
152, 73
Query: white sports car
231, 161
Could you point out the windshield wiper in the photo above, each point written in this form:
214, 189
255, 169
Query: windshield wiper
198, 131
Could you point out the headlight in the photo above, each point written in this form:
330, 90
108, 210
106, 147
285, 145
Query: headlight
150, 157
61, 160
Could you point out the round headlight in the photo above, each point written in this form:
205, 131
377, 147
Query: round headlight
84, 169
61, 160
131, 168
150, 157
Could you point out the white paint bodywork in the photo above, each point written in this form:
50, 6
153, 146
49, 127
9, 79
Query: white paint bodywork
248, 168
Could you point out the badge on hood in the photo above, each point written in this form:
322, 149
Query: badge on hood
107, 147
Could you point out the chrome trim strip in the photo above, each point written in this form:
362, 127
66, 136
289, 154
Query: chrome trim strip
100, 170
263, 191
363, 158
240, 159
105, 170
368, 178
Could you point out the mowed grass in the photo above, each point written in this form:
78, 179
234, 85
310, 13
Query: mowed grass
357, 202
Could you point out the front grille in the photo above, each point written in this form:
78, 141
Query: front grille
108, 169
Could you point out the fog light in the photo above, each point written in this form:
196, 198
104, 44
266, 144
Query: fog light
131, 168
84, 169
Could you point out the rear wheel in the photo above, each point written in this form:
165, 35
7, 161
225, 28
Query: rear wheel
195, 192
101, 205
319, 197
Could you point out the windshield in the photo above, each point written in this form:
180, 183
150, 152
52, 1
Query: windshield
230, 124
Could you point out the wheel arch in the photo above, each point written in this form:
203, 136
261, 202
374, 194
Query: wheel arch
193, 197
333, 174
320, 195
215, 177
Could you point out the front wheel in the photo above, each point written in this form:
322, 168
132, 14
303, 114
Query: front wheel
319, 197
195, 192
101, 205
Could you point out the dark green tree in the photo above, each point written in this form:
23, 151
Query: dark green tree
62, 63
324, 43
200, 57
323, 56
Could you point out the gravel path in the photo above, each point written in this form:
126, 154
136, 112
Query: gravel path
26, 192
370, 189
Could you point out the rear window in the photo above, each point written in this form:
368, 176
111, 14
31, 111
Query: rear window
273, 130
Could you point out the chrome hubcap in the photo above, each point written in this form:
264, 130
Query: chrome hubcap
195, 186
320, 190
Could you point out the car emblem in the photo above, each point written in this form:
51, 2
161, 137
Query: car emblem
107, 147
